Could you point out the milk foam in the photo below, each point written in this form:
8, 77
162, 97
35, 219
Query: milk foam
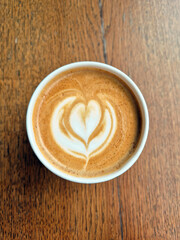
77, 138
86, 122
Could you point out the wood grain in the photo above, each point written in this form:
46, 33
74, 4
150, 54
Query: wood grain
142, 38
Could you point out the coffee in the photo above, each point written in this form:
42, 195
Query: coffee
86, 122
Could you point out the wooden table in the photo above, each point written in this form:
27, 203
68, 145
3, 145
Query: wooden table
142, 38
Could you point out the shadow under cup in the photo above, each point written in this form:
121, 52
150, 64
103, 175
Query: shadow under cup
144, 122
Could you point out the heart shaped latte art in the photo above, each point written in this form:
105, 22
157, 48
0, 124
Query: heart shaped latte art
88, 129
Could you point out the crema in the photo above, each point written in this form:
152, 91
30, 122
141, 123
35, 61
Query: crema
86, 122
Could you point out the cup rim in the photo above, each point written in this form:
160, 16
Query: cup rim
144, 131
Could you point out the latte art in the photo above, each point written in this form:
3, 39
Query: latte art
76, 138
86, 122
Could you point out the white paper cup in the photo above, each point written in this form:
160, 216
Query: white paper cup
144, 116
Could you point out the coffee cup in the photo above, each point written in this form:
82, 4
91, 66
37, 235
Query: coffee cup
95, 116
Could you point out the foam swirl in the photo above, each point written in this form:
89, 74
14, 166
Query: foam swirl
86, 122
83, 128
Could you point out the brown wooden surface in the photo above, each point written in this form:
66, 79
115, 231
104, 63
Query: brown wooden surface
142, 38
